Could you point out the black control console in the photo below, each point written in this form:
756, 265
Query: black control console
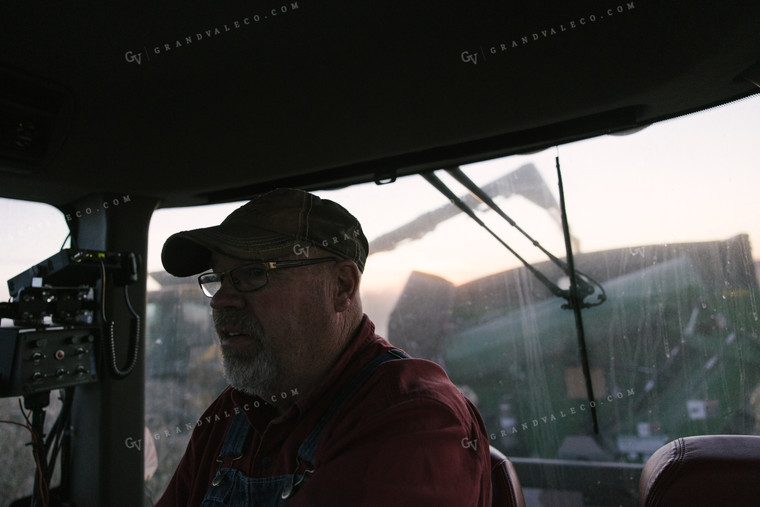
60, 330
40, 360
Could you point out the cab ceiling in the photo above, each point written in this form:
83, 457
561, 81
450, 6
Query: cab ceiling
215, 101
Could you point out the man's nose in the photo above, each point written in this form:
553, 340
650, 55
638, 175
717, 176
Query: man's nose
227, 297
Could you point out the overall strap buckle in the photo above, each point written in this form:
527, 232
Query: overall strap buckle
296, 479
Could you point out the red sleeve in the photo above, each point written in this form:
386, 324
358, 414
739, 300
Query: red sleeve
420, 453
189, 482
178, 491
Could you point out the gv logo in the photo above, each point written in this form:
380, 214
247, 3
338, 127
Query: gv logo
130, 57
299, 250
467, 443
133, 444
468, 57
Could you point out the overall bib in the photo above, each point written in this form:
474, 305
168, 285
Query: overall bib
231, 487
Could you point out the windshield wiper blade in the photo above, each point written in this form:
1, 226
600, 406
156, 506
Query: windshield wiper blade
575, 304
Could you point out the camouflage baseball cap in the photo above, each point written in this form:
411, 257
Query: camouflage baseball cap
280, 223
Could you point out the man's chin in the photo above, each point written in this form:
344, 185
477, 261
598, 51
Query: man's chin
249, 390
255, 381
258, 390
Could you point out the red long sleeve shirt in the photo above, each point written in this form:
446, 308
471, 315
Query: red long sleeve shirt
406, 437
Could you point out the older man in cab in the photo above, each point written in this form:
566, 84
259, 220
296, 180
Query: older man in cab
361, 423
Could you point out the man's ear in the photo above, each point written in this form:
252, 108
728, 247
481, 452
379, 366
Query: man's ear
347, 287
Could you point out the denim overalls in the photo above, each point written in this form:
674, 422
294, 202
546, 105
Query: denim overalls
231, 487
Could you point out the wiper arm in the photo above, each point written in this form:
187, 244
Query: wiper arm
584, 288
575, 304
579, 288
451, 196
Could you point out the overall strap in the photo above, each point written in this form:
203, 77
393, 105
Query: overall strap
308, 448
237, 434
233, 447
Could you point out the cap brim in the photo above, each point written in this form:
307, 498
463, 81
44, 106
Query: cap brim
184, 255
188, 253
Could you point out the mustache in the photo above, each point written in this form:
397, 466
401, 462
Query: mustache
235, 319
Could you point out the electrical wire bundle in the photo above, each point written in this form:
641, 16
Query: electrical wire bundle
45, 450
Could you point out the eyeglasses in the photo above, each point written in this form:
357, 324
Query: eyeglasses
251, 277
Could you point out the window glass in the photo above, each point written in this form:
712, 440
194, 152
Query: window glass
30, 233
183, 361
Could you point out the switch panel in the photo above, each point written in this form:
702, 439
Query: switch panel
40, 360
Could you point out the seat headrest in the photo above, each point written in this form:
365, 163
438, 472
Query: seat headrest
703, 470
506, 489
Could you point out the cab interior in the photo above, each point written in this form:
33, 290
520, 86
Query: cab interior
124, 123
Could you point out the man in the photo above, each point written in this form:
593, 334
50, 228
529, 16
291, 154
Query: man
320, 410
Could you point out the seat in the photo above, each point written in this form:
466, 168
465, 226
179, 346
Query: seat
703, 470
505, 486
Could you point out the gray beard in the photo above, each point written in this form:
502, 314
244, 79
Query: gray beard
252, 370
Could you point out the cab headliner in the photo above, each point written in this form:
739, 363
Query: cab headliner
192, 104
